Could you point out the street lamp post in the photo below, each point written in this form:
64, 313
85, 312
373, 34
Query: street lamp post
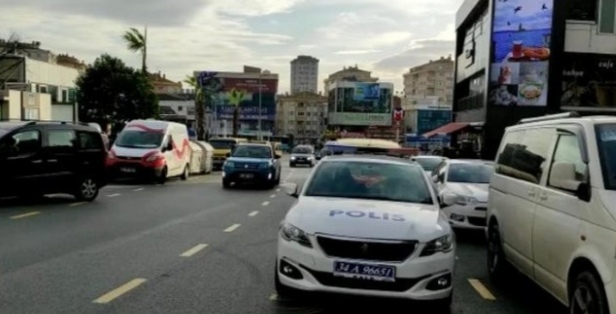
259, 116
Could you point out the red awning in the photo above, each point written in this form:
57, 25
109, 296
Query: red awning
447, 129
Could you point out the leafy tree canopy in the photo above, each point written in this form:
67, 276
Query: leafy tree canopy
110, 91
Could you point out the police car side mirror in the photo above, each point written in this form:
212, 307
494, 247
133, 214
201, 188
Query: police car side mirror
291, 189
448, 199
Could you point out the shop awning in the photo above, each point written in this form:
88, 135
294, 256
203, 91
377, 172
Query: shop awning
447, 129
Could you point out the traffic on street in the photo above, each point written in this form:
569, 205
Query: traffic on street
192, 246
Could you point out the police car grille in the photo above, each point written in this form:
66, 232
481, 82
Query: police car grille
367, 250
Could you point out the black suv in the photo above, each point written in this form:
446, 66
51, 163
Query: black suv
38, 158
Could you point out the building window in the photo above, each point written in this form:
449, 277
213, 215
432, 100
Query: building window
64, 96
607, 16
582, 10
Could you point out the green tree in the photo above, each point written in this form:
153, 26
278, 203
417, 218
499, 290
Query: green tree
110, 91
138, 42
235, 98
199, 106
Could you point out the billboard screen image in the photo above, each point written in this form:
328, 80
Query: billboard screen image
367, 91
373, 108
521, 36
224, 93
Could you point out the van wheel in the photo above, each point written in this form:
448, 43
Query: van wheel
87, 191
497, 264
162, 179
186, 173
587, 295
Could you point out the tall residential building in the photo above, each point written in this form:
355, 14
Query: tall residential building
434, 78
348, 74
304, 115
304, 74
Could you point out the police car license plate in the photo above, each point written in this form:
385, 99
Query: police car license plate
246, 175
365, 271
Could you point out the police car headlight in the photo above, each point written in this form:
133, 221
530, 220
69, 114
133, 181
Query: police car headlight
292, 233
443, 244
292, 157
228, 164
465, 200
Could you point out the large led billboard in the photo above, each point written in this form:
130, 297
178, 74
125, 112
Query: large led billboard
521, 39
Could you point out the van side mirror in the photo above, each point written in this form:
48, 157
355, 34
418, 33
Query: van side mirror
562, 176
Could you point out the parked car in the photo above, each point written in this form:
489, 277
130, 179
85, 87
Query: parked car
467, 182
151, 149
323, 153
552, 208
428, 162
38, 158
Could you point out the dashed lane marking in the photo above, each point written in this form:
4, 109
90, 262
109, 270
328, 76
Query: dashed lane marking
277, 190
138, 190
254, 213
114, 195
273, 195
77, 204
481, 289
289, 176
119, 291
232, 228
26, 215
194, 250
265, 203
273, 297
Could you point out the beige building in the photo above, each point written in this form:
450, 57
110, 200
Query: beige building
434, 78
352, 74
303, 115
163, 85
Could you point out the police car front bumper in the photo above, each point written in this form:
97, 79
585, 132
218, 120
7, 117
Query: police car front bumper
417, 278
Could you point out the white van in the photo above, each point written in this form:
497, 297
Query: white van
552, 208
151, 149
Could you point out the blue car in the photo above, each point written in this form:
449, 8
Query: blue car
252, 163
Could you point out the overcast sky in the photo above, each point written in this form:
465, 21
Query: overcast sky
385, 36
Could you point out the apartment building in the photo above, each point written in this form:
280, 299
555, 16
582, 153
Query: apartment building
434, 78
348, 74
304, 74
163, 85
303, 114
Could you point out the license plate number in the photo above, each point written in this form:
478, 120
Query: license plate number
128, 170
246, 175
365, 271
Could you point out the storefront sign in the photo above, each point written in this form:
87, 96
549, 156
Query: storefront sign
352, 118
588, 80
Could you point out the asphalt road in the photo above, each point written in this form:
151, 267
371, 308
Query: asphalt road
192, 247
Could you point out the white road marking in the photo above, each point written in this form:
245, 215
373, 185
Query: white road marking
194, 250
481, 289
273, 297
254, 213
277, 190
113, 294
114, 195
289, 176
77, 204
273, 195
232, 228
138, 190
265, 203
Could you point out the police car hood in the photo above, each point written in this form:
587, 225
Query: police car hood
368, 219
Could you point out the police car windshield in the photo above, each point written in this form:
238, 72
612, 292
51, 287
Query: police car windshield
250, 151
139, 139
470, 173
370, 180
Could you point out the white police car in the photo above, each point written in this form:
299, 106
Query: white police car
367, 225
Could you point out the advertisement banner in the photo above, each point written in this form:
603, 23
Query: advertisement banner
367, 91
521, 39
223, 94
225, 112
428, 120
588, 80
367, 119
